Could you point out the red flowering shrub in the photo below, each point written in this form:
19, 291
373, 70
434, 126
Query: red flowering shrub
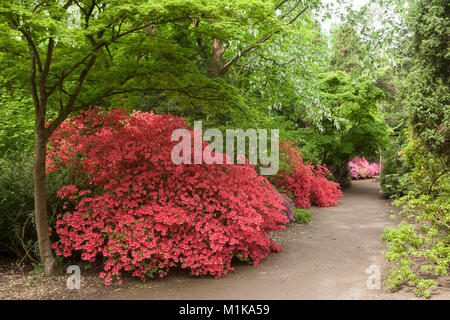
143, 213
324, 193
307, 183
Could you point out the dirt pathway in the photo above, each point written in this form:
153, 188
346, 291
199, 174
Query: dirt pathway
326, 259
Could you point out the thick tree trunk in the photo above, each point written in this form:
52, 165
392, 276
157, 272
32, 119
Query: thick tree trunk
40, 203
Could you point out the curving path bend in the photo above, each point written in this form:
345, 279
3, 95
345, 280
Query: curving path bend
326, 259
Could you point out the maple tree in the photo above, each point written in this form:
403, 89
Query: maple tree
59, 53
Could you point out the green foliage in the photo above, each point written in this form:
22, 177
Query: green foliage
243, 64
16, 122
419, 178
16, 205
427, 88
420, 245
394, 170
355, 126
111, 42
348, 50
235, 64
281, 79
302, 215
229, 64
17, 224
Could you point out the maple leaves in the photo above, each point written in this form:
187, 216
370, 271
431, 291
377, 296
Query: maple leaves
143, 213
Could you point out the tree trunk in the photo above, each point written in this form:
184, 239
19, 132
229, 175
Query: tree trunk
217, 51
381, 161
40, 201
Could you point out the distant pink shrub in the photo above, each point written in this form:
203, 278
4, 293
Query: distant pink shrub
374, 169
353, 170
361, 168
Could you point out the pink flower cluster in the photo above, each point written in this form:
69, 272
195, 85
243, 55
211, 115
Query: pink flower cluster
143, 214
361, 169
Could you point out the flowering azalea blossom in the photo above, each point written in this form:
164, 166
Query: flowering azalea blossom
308, 184
144, 214
361, 169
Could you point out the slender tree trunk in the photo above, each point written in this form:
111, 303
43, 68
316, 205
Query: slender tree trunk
40, 201
40, 192
381, 161
217, 51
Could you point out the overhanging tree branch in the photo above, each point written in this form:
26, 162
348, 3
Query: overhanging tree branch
88, 55
68, 108
32, 47
263, 39
45, 72
280, 4
298, 15
33, 81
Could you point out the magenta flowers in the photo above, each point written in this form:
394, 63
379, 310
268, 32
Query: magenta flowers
361, 168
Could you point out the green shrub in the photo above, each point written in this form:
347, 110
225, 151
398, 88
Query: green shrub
302, 215
16, 121
394, 172
17, 224
420, 245
16, 206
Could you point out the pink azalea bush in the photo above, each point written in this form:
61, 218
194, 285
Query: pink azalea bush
308, 184
361, 168
143, 214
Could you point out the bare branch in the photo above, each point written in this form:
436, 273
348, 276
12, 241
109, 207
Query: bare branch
244, 65
87, 56
68, 4
290, 11
68, 108
247, 50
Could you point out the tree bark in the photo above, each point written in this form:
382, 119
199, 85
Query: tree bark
40, 192
217, 51
40, 201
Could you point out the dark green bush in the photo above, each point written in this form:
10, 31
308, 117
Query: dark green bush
17, 224
394, 171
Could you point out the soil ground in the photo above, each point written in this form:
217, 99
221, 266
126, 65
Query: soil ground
325, 259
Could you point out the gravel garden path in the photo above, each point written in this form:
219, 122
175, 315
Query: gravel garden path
326, 259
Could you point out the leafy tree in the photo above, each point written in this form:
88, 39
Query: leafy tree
427, 89
281, 79
69, 54
420, 245
347, 49
355, 127
66, 42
